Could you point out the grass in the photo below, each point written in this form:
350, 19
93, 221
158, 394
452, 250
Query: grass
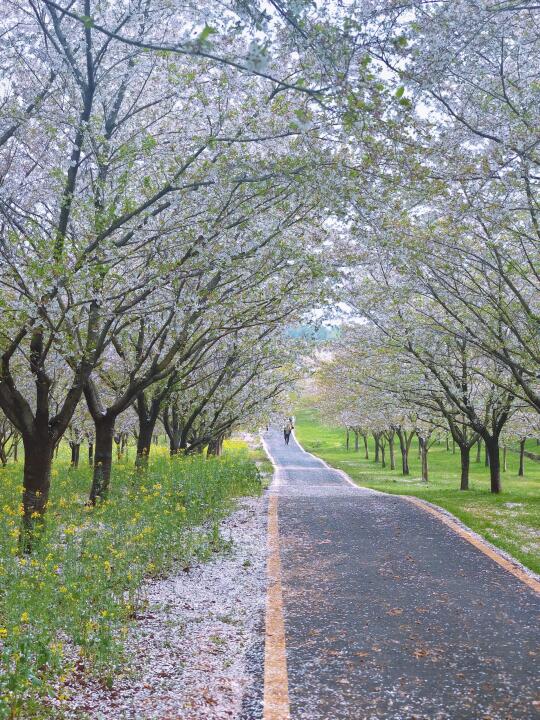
68, 606
511, 520
258, 455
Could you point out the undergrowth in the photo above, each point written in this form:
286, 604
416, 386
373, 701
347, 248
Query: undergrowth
67, 607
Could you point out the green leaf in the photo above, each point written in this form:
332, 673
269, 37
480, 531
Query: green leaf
88, 21
400, 91
205, 34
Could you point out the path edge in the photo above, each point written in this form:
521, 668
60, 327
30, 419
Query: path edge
276, 683
502, 558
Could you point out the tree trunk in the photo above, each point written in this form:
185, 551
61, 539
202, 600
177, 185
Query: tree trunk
90, 453
173, 428
404, 454
377, 447
505, 466
424, 458
479, 450
492, 447
347, 439
102, 458
447, 443
521, 471
366, 446
213, 448
38, 455
465, 451
453, 446
383, 455
75, 449
144, 441
356, 438
486, 456
117, 440
148, 413
392, 454
16, 451
174, 443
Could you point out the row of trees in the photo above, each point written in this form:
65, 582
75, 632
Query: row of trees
440, 251
370, 389
162, 209
180, 180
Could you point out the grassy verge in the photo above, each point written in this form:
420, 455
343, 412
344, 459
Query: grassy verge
258, 456
510, 520
67, 607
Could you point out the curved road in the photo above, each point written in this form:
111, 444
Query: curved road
389, 614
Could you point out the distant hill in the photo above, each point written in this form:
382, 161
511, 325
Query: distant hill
314, 332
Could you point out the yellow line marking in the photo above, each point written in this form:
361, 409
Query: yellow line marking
478, 544
276, 684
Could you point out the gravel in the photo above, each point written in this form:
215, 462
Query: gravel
197, 648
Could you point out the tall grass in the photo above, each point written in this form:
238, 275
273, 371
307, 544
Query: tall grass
68, 605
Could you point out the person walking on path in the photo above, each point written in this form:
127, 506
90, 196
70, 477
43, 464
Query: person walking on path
287, 430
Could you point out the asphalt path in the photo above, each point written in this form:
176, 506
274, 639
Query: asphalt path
389, 613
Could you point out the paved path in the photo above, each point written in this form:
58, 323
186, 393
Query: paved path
389, 613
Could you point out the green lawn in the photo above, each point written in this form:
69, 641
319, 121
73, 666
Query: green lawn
510, 520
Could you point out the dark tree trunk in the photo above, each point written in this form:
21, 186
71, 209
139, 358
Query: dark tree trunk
453, 446
356, 439
148, 413
492, 447
486, 455
377, 447
465, 462
117, 440
479, 450
447, 443
174, 443
102, 458
505, 453
521, 471
90, 453
383, 455
404, 453
173, 428
38, 455
16, 451
392, 454
144, 441
215, 446
366, 446
347, 439
75, 449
